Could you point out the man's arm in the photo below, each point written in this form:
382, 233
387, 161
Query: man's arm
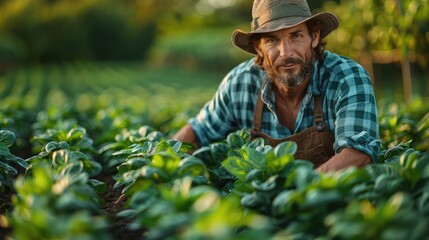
348, 157
187, 134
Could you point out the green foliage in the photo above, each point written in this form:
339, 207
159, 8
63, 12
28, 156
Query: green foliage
53, 205
69, 30
8, 162
16, 118
404, 124
88, 142
60, 157
388, 25
160, 162
195, 49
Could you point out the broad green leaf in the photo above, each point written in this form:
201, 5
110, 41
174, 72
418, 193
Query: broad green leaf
7, 169
145, 130
423, 124
396, 150
63, 145
98, 185
4, 152
408, 159
256, 157
156, 174
251, 200
155, 136
254, 174
304, 177
7, 138
277, 165
76, 134
192, 166
423, 202
51, 146
352, 176
285, 148
127, 213
265, 149
204, 153
387, 184
265, 186
284, 202
21, 162
239, 167
73, 168
175, 145
132, 163
186, 147
85, 143
219, 151
60, 157
122, 152
149, 148
377, 169
318, 197
257, 142
70, 203
234, 140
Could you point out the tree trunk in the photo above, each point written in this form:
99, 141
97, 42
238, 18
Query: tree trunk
406, 77
367, 62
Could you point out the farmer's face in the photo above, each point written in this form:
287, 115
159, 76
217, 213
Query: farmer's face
288, 54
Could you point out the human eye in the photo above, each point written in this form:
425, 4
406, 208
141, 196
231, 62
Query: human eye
296, 35
269, 39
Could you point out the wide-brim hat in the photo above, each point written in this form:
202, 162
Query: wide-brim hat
274, 15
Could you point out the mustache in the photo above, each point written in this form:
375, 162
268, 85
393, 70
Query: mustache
285, 61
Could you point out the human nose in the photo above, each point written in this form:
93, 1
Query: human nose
285, 49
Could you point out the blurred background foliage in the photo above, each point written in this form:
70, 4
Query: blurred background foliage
389, 37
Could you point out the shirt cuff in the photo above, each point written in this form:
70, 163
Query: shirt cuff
202, 139
362, 142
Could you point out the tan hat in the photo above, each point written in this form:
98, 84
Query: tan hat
273, 15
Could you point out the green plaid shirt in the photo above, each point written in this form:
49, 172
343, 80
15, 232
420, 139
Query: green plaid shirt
349, 105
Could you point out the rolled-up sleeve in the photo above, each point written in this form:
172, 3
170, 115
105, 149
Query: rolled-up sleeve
232, 106
215, 120
356, 124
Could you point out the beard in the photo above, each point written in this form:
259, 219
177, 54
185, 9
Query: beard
289, 79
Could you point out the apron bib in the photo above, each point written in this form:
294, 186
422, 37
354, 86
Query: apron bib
314, 143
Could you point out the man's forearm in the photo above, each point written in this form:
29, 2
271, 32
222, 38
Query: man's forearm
348, 157
187, 134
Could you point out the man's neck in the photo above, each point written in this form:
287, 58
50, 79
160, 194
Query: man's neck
293, 95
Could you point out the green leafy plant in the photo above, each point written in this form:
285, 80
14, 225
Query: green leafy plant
53, 205
8, 162
60, 156
160, 162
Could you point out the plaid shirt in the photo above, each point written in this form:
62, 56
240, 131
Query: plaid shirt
349, 105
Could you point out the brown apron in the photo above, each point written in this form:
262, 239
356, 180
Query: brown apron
314, 143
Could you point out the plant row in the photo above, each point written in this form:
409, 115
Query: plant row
231, 189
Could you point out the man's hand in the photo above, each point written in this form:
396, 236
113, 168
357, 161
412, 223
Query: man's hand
187, 134
348, 157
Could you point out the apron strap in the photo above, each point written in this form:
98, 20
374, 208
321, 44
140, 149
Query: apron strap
318, 113
257, 116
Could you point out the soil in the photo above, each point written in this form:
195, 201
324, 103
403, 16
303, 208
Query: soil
114, 203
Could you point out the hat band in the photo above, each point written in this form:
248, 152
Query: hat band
287, 10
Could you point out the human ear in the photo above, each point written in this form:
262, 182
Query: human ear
257, 45
316, 38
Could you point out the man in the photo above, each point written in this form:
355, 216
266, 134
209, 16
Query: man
294, 90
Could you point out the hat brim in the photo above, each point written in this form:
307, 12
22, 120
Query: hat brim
329, 22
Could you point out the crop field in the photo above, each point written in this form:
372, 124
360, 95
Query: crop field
85, 153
